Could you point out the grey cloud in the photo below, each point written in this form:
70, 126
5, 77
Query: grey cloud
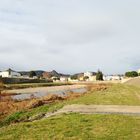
70, 36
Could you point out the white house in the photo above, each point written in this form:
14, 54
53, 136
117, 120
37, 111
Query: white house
63, 79
10, 73
139, 71
88, 74
112, 77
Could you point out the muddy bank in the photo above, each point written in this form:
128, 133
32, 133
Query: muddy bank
42, 89
8, 105
23, 94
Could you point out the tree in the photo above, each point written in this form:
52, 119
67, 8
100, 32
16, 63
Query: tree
86, 78
131, 74
99, 76
32, 74
74, 77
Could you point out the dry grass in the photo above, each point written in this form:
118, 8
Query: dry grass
98, 87
9, 106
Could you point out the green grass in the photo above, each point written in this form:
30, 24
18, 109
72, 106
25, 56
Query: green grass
117, 94
76, 127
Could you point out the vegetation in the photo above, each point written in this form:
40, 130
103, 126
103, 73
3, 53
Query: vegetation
74, 77
86, 78
56, 78
99, 76
131, 74
78, 126
117, 94
32, 74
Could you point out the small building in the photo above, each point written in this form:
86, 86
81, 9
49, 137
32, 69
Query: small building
63, 79
88, 74
139, 71
112, 77
10, 73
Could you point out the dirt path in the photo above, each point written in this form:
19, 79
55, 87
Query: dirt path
98, 109
133, 81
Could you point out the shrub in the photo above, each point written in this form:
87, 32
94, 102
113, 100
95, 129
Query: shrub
86, 78
131, 74
74, 77
32, 74
99, 76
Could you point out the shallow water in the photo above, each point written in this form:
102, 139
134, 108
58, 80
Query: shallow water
43, 94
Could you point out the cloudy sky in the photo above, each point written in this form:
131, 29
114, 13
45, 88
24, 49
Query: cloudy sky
70, 35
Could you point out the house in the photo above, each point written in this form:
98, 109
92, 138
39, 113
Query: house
10, 73
90, 76
63, 79
112, 77
139, 71
55, 79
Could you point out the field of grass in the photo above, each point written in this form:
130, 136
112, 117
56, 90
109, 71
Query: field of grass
76, 126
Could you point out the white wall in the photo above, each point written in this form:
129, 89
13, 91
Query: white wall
12, 74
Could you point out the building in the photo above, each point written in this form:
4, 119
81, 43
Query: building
112, 77
88, 74
10, 73
139, 71
63, 79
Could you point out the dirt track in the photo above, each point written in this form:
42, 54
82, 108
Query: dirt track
98, 109
134, 81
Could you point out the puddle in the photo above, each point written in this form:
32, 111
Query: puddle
44, 93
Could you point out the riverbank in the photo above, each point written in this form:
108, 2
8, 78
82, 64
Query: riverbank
9, 106
28, 123
43, 89
32, 85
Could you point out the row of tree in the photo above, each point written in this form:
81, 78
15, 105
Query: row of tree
132, 74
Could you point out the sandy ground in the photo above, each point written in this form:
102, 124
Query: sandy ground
134, 81
98, 109
44, 89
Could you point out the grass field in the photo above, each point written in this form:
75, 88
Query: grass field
77, 126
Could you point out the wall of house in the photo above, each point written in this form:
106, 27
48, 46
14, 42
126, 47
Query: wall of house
15, 74
12, 74
88, 74
4, 74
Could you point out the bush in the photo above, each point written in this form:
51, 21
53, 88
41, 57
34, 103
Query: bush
99, 76
74, 77
131, 74
32, 74
86, 78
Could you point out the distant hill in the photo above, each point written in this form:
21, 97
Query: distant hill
54, 73
38, 72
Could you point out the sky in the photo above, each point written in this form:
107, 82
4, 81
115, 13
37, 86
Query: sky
70, 36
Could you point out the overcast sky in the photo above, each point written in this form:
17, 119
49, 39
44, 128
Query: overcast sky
70, 35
